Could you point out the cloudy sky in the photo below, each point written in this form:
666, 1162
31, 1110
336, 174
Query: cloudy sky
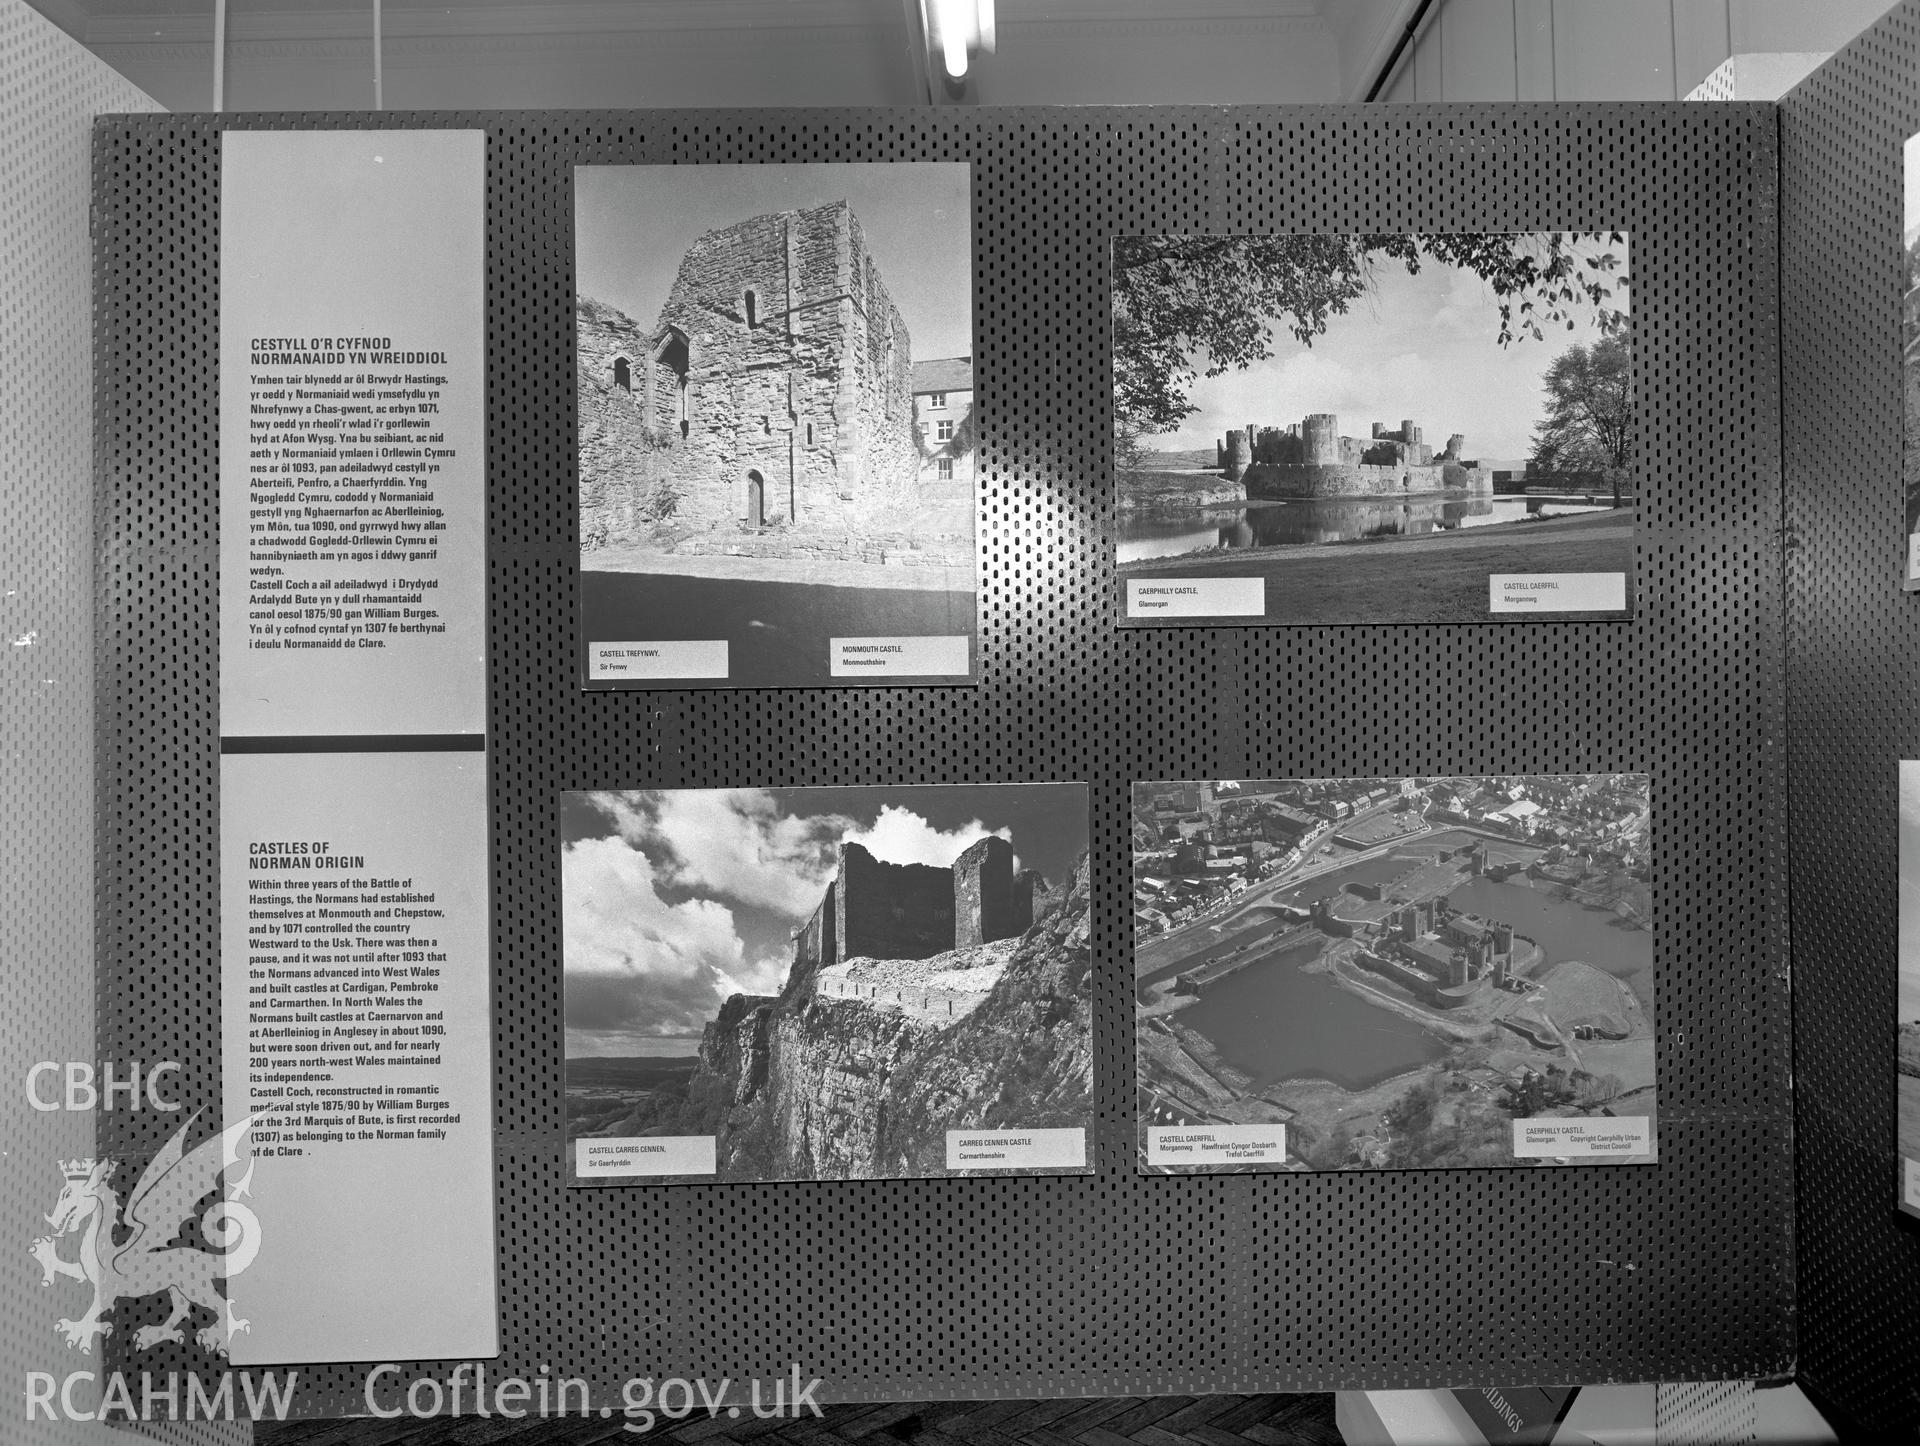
1422, 347
1909, 890
633, 224
671, 900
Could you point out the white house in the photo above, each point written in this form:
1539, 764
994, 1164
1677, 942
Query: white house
943, 413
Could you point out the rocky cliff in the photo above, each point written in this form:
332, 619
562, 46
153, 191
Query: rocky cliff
824, 1088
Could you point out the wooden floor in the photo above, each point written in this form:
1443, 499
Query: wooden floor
1105, 1421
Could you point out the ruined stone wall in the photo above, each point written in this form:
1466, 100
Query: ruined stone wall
984, 906
1029, 900
816, 945
622, 462
930, 1006
806, 382
884, 402
890, 911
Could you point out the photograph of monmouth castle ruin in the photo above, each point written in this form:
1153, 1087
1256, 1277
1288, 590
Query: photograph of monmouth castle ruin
769, 412
1310, 459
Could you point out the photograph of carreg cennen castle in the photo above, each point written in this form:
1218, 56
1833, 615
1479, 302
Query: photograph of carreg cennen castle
825, 981
1397, 969
1376, 426
777, 432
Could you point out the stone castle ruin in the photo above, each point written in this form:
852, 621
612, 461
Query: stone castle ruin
878, 910
1310, 459
770, 405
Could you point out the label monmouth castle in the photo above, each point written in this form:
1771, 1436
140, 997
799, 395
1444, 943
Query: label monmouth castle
771, 411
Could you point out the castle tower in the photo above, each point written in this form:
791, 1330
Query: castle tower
1457, 969
1321, 432
1409, 923
1457, 445
774, 324
890, 911
1411, 434
1236, 456
1502, 936
1477, 957
983, 901
1029, 894
1379, 430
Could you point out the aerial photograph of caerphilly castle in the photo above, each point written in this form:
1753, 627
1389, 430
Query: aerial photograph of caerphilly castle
1376, 426
774, 379
1396, 969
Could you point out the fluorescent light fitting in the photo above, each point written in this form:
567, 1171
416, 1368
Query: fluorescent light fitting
957, 22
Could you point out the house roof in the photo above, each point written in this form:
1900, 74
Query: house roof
946, 374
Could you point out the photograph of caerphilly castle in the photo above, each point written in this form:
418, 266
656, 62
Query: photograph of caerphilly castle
1310, 459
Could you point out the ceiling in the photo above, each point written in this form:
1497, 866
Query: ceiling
292, 54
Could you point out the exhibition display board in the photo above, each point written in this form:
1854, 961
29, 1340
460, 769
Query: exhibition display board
1853, 642
1672, 1263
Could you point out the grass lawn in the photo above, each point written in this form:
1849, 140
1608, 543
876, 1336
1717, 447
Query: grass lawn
1439, 578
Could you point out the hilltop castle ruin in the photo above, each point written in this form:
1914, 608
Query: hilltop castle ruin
1310, 459
879, 910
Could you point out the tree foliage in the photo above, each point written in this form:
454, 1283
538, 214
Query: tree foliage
1184, 306
1589, 422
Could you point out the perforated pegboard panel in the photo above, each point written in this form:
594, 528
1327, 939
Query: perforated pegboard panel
1116, 1282
1853, 652
52, 90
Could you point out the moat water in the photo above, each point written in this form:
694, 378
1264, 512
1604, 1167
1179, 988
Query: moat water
1275, 1022
1296, 524
1568, 929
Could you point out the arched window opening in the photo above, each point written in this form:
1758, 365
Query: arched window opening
756, 499
674, 359
809, 434
753, 309
622, 374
